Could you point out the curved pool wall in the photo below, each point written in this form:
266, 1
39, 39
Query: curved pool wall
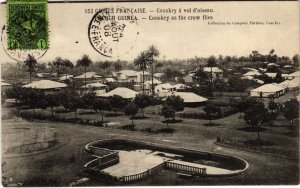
107, 149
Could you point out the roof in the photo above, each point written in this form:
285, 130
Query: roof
5, 84
189, 97
45, 84
165, 86
158, 74
268, 88
131, 73
181, 86
155, 81
213, 69
262, 69
251, 69
122, 92
145, 73
97, 84
110, 80
65, 77
128, 72
295, 74
288, 84
273, 75
252, 73
259, 81
88, 75
247, 77
272, 64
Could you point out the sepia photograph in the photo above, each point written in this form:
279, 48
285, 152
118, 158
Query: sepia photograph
173, 93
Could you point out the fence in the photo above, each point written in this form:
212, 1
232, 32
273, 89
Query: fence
100, 151
92, 163
143, 174
186, 168
105, 157
230, 94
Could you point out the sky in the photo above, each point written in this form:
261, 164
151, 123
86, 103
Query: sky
68, 25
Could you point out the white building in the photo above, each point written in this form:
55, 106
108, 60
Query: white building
158, 75
216, 72
90, 76
251, 74
47, 86
189, 98
268, 90
133, 76
189, 78
163, 89
123, 92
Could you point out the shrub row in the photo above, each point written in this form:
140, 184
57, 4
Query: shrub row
225, 111
265, 149
31, 115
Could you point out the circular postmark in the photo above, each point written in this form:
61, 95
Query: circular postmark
17, 54
113, 32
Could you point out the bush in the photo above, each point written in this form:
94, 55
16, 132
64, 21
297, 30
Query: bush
9, 115
225, 111
98, 123
192, 115
128, 127
262, 146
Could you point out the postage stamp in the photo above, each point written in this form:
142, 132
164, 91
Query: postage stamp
27, 25
113, 31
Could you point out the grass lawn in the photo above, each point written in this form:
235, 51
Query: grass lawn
63, 165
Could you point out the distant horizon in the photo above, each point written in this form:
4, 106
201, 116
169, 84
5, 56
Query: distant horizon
158, 58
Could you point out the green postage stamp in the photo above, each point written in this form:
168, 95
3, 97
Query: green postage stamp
27, 25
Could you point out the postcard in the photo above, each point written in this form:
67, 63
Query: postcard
117, 93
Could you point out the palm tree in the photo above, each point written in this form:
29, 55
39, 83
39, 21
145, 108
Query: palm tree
85, 61
67, 64
31, 63
142, 61
152, 52
118, 66
211, 63
58, 63
200, 75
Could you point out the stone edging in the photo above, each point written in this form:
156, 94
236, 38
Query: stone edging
236, 172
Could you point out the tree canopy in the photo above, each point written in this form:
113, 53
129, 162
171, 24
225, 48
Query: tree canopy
142, 101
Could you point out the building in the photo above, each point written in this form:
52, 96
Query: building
109, 80
289, 85
94, 87
273, 75
5, 86
133, 76
251, 74
89, 76
294, 75
123, 92
180, 87
66, 77
190, 98
47, 86
46, 75
268, 91
158, 75
163, 89
216, 72
189, 78
147, 86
